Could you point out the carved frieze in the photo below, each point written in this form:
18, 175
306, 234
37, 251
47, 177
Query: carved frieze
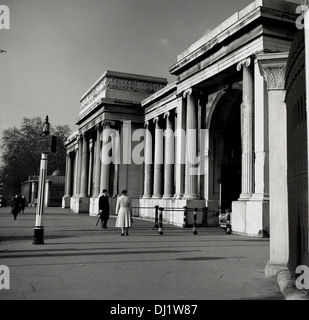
121, 84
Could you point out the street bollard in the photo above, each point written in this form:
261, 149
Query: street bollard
228, 228
205, 224
156, 217
185, 216
194, 221
161, 220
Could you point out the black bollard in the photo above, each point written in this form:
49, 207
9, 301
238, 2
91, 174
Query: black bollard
228, 228
156, 217
205, 217
185, 216
161, 220
194, 221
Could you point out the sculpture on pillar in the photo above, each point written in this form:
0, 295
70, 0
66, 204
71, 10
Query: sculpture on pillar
46, 127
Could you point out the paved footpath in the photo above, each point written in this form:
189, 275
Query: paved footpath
82, 261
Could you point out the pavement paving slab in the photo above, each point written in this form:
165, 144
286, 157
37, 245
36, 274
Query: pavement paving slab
81, 261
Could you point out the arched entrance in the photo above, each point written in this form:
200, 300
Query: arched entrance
225, 149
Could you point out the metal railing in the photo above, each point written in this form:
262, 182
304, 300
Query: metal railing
158, 214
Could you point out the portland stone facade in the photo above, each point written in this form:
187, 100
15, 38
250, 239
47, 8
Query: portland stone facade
214, 138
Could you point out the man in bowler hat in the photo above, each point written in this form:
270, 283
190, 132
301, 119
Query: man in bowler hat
104, 209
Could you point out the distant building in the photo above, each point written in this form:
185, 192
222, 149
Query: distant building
54, 189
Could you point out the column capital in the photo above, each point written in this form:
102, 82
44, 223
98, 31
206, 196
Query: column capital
106, 122
84, 136
191, 92
272, 68
98, 126
156, 119
244, 63
166, 115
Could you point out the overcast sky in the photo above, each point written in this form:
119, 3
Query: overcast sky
58, 48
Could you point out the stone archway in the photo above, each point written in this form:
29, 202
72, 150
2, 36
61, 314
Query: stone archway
225, 150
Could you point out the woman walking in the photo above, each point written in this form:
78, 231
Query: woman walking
123, 213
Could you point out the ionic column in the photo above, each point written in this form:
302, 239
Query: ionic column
191, 187
79, 165
180, 147
169, 158
148, 177
75, 178
261, 150
105, 166
68, 176
97, 168
90, 167
272, 67
84, 168
246, 130
158, 161
204, 152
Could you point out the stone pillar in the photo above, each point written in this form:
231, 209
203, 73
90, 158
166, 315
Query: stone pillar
169, 150
191, 186
84, 168
105, 167
68, 182
79, 165
90, 168
180, 148
204, 152
261, 170
47, 193
97, 168
116, 159
34, 189
272, 67
246, 130
158, 161
148, 176
76, 157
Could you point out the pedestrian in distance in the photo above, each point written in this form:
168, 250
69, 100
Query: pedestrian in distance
124, 213
104, 208
23, 204
16, 205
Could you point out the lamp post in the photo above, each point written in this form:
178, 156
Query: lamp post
44, 145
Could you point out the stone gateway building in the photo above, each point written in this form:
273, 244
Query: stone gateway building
228, 133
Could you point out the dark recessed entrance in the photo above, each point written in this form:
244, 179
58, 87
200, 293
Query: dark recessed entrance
225, 146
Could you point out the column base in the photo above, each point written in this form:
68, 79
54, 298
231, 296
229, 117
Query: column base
178, 196
94, 206
191, 197
245, 196
146, 196
167, 197
66, 201
250, 218
81, 204
272, 269
157, 197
